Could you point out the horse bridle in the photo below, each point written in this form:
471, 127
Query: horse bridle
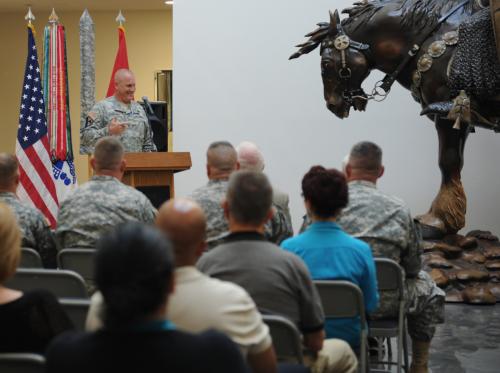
382, 88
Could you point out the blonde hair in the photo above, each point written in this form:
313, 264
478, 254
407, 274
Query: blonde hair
10, 243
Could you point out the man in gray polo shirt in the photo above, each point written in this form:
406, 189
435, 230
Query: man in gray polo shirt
278, 281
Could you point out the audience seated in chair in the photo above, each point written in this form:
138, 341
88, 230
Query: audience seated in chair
30, 320
278, 281
385, 223
103, 202
222, 160
329, 252
35, 230
134, 273
200, 302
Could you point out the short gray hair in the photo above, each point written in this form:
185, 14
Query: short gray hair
249, 197
108, 153
366, 155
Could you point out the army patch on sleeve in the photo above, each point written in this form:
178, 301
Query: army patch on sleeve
90, 118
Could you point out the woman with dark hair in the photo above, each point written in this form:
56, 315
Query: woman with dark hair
133, 271
29, 320
329, 252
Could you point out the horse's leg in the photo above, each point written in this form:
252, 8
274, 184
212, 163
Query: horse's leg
447, 212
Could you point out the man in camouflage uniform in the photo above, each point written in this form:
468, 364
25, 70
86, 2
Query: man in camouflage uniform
385, 223
34, 227
120, 116
222, 160
103, 202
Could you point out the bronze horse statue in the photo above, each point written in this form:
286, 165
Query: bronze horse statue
418, 44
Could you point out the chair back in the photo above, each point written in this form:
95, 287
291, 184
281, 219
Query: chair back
30, 258
62, 283
341, 299
77, 310
21, 363
390, 276
79, 260
286, 337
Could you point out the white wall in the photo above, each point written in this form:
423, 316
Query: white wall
233, 81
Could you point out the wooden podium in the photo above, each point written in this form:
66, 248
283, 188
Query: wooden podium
155, 169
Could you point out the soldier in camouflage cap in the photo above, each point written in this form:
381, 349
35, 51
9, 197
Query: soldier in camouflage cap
34, 227
103, 202
385, 223
120, 116
222, 160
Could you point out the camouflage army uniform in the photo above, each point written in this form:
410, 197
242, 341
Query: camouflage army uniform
385, 223
137, 137
97, 207
210, 197
35, 229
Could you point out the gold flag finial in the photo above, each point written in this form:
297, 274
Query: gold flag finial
120, 18
53, 17
29, 16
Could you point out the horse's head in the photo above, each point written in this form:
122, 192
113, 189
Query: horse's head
344, 66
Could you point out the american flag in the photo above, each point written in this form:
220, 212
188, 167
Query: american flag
32, 148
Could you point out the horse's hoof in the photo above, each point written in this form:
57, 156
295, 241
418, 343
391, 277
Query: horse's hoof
433, 228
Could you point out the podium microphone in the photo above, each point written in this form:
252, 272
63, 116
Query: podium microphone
148, 105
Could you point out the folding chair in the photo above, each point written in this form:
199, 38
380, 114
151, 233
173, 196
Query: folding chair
77, 310
343, 299
30, 258
79, 260
63, 284
21, 363
390, 277
286, 337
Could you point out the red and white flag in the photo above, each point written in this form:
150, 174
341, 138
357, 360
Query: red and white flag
32, 147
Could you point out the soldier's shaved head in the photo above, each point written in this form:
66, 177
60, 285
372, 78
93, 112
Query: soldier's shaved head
9, 171
184, 222
250, 157
122, 74
221, 160
108, 154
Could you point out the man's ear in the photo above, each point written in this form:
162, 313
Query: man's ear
348, 171
381, 172
238, 166
208, 171
270, 214
16, 180
123, 165
92, 162
201, 249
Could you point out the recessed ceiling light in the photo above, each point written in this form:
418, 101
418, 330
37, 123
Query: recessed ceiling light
169, 2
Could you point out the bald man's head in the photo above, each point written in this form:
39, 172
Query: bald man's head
250, 157
124, 85
9, 172
221, 160
184, 222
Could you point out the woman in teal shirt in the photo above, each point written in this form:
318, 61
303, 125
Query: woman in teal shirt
329, 252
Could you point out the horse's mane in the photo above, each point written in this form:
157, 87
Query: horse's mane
420, 15
416, 14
